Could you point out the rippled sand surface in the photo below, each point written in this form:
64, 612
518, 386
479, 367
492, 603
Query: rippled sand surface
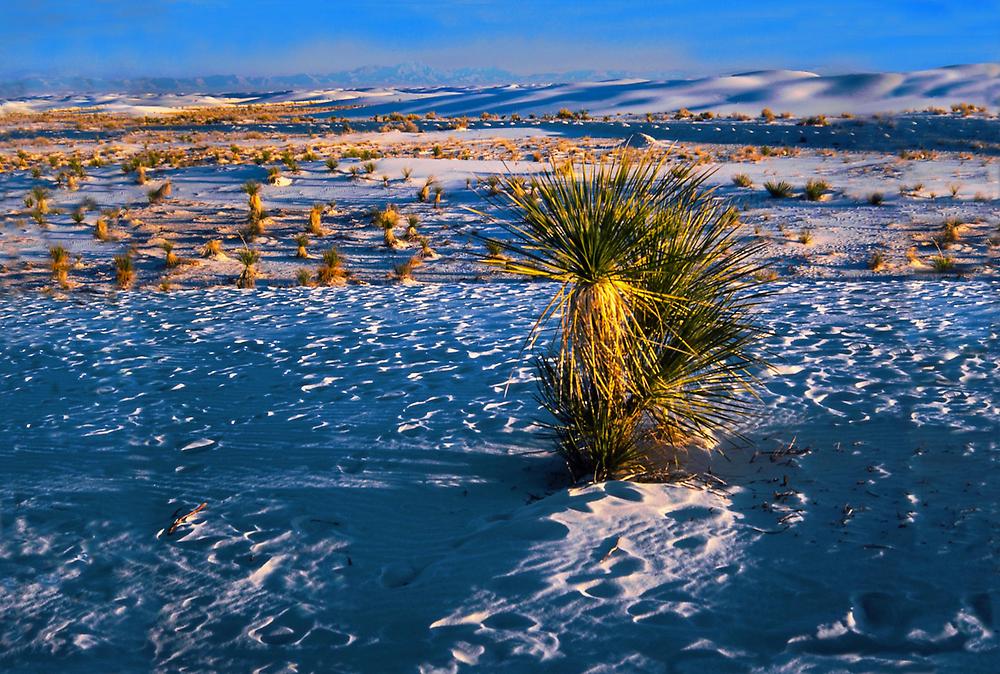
379, 498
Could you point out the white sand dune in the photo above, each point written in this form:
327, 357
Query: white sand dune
799, 92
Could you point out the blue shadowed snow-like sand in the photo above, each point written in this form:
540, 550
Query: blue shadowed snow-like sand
377, 502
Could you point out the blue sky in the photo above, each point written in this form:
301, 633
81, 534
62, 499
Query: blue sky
199, 37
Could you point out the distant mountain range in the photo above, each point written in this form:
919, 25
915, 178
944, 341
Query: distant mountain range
407, 74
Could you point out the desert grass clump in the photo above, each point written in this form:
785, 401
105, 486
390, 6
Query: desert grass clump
494, 250
942, 263
332, 164
212, 249
273, 175
39, 199
647, 344
951, 232
815, 189
954, 188
369, 167
101, 231
806, 237
60, 265
411, 227
301, 241
876, 198
316, 220
249, 258
403, 271
170, 257
160, 193
331, 272
424, 194
778, 190
124, 271
254, 200
303, 278
742, 180
878, 261
407, 172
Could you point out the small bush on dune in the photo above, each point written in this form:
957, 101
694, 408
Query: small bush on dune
806, 237
249, 258
876, 198
943, 263
60, 265
815, 189
301, 241
331, 272
316, 220
160, 193
273, 175
101, 232
332, 164
778, 190
124, 271
742, 180
403, 272
170, 260
652, 316
878, 261
212, 248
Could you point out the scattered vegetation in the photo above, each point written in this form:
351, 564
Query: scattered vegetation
742, 180
815, 189
332, 272
249, 258
124, 271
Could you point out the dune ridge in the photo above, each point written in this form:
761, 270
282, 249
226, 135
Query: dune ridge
799, 92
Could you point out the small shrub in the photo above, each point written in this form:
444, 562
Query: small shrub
742, 180
60, 265
124, 271
301, 241
815, 189
331, 272
249, 258
878, 261
876, 198
170, 260
212, 248
369, 167
159, 194
943, 263
332, 164
778, 190
316, 220
101, 232
806, 237
303, 277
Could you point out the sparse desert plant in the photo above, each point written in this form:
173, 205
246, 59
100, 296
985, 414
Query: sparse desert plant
170, 260
426, 252
742, 180
316, 220
303, 277
249, 258
39, 198
385, 181
951, 232
355, 172
876, 198
425, 192
124, 271
942, 263
806, 237
778, 190
878, 261
140, 175
438, 194
254, 200
101, 232
273, 176
301, 241
212, 248
815, 189
403, 271
411, 227
78, 216
60, 265
954, 188
160, 193
369, 167
407, 172
332, 164
654, 344
331, 272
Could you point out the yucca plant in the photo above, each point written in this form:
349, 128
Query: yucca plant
140, 175
332, 164
426, 252
273, 175
425, 192
60, 265
170, 259
249, 258
124, 271
742, 180
254, 200
101, 232
78, 216
331, 272
301, 241
160, 193
39, 197
815, 189
369, 167
407, 172
778, 190
878, 261
212, 249
647, 342
806, 236
438, 194
403, 271
316, 220
303, 277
